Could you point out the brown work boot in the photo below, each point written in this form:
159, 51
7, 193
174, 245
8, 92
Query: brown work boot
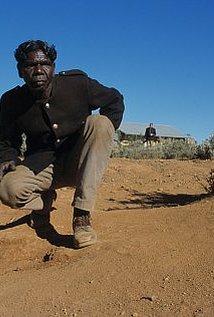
84, 234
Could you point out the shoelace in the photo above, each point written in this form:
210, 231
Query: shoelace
81, 221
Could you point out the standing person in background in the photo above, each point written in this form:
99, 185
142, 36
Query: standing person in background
66, 145
150, 134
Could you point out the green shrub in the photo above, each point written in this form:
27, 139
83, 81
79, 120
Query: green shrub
177, 149
210, 181
205, 150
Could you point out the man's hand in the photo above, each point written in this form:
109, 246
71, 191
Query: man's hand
6, 167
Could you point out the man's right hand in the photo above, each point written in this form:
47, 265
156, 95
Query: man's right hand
6, 167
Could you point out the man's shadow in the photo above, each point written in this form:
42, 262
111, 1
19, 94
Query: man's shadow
140, 200
47, 233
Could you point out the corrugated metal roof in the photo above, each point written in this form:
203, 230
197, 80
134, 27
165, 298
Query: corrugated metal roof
135, 128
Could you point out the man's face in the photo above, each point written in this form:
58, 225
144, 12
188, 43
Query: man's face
37, 72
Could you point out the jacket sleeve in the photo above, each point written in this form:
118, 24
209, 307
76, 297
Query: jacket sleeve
10, 140
109, 101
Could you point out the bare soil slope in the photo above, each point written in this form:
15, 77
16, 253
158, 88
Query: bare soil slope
154, 257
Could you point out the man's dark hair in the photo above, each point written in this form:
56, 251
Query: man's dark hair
21, 53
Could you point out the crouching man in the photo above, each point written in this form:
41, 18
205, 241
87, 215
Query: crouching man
66, 145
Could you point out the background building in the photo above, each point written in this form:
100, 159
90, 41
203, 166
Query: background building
136, 131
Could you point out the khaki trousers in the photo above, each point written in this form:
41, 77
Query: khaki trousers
81, 167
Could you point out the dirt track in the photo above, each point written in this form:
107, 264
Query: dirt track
154, 257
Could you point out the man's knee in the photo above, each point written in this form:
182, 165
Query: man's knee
11, 191
100, 124
13, 188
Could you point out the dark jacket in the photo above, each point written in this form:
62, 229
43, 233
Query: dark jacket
150, 133
51, 124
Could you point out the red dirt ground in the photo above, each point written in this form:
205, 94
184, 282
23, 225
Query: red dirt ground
154, 256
